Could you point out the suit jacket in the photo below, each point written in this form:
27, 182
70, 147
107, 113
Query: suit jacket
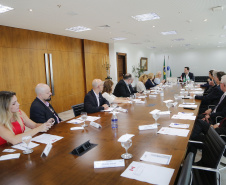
40, 113
221, 130
90, 102
121, 89
191, 76
149, 84
221, 110
212, 98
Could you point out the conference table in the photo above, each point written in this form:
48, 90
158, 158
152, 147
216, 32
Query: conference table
61, 167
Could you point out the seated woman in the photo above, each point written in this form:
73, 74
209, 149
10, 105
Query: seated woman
157, 80
140, 84
13, 120
107, 93
149, 83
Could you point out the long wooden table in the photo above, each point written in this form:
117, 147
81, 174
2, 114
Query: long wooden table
61, 167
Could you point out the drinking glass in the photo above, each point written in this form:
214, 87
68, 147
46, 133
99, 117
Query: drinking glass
176, 96
114, 105
84, 117
26, 140
169, 104
127, 145
156, 117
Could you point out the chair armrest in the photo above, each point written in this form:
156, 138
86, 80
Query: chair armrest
205, 168
198, 142
218, 118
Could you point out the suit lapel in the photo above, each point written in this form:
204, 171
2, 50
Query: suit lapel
94, 97
45, 106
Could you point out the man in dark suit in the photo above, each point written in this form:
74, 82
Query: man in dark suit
41, 110
123, 88
94, 101
187, 75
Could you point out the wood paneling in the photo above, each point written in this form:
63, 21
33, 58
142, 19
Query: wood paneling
94, 53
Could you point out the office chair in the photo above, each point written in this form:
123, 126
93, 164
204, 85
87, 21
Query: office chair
77, 109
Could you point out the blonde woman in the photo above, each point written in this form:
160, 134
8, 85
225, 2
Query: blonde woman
13, 120
140, 84
149, 83
107, 93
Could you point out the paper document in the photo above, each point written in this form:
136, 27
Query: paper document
109, 163
10, 156
156, 158
94, 124
184, 117
23, 146
47, 138
121, 109
148, 173
9, 150
174, 131
179, 125
164, 113
75, 121
141, 96
109, 109
186, 113
90, 118
125, 137
152, 96
147, 127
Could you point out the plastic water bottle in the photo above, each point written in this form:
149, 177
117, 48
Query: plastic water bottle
114, 121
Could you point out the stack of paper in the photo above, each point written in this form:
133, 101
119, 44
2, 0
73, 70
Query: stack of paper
156, 158
174, 131
46, 138
23, 146
10, 156
187, 106
183, 116
179, 125
75, 121
148, 173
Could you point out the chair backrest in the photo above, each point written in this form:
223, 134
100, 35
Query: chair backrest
185, 175
213, 149
77, 109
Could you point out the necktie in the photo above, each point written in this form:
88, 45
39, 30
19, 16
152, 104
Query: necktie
222, 97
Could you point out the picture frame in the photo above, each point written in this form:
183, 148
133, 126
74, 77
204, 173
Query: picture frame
144, 63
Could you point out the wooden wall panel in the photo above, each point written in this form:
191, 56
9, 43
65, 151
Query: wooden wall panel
94, 53
6, 39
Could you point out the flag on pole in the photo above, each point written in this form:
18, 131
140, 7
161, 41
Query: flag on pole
164, 69
169, 73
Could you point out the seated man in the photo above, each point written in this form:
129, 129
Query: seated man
123, 88
94, 101
202, 125
41, 110
214, 96
186, 76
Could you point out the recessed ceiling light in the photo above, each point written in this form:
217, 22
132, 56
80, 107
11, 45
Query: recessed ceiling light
4, 9
180, 39
30, 10
205, 20
119, 38
146, 17
169, 33
224, 27
153, 26
223, 36
78, 29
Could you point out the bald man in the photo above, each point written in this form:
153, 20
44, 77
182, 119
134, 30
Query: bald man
94, 101
41, 110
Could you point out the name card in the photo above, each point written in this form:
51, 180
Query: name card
147, 127
47, 149
109, 163
96, 125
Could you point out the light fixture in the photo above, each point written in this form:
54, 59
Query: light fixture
146, 17
119, 38
223, 36
30, 10
169, 33
4, 9
224, 27
153, 26
205, 20
78, 29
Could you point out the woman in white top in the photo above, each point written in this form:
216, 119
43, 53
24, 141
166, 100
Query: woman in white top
140, 84
107, 93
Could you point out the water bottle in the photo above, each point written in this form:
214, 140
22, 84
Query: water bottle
114, 121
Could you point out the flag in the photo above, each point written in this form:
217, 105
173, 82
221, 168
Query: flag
169, 73
164, 69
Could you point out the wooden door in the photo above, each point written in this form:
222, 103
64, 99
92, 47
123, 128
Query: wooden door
121, 65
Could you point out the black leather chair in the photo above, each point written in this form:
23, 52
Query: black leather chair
77, 109
206, 170
185, 177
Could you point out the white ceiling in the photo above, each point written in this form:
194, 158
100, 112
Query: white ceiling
184, 16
